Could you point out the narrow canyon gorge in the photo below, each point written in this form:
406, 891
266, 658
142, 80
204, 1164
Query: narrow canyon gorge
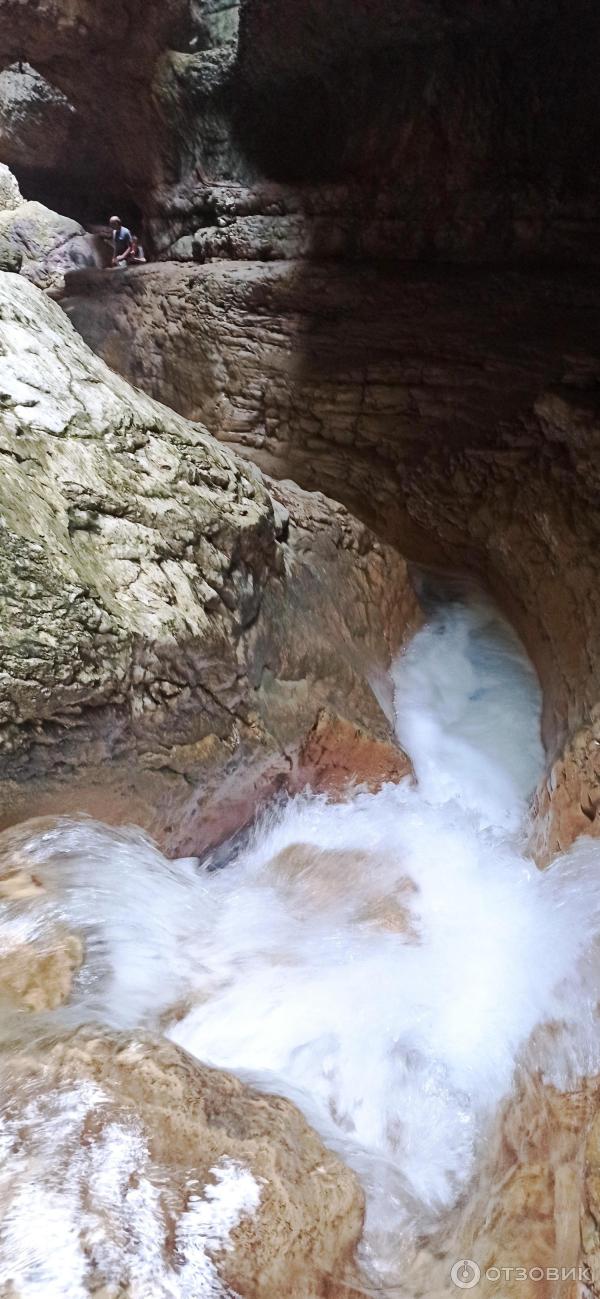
300, 649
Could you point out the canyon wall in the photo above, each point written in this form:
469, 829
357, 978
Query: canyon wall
374, 230
178, 641
408, 130
453, 406
454, 412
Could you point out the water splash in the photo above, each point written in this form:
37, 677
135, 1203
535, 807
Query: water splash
383, 962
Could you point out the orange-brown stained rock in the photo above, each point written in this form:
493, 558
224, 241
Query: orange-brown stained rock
39, 976
590, 1216
527, 1211
35, 975
185, 621
337, 755
568, 800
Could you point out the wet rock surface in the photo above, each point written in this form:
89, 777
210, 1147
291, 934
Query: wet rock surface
177, 1178
182, 635
171, 630
456, 413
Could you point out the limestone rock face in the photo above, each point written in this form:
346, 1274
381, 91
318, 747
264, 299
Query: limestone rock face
99, 59
518, 1221
456, 415
172, 1177
171, 630
10, 194
449, 132
590, 1208
11, 259
35, 119
533, 1174
337, 755
49, 244
42, 243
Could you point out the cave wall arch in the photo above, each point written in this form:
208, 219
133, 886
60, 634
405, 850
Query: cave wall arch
402, 204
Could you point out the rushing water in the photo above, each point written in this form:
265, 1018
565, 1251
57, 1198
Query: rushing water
381, 961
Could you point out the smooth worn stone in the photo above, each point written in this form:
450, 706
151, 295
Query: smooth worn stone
172, 624
456, 413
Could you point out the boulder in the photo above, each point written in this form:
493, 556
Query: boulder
172, 627
49, 244
165, 1177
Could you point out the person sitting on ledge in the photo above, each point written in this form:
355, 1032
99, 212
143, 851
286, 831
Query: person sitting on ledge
135, 253
121, 241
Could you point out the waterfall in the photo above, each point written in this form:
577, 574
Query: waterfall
382, 961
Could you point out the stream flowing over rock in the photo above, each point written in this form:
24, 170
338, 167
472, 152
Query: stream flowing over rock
230, 1191
456, 414
300, 650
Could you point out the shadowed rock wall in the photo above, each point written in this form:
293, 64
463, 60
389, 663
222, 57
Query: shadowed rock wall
439, 131
456, 413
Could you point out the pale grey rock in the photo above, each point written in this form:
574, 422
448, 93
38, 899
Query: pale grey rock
10, 258
10, 194
50, 244
168, 638
36, 119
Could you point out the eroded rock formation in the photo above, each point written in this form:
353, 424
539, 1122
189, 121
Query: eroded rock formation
456, 414
40, 243
452, 405
431, 131
161, 1175
171, 630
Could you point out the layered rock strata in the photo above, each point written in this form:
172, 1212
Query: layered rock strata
455, 414
171, 629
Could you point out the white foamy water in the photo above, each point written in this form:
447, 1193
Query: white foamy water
384, 961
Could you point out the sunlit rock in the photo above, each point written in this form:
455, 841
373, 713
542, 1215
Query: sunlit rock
171, 630
10, 194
